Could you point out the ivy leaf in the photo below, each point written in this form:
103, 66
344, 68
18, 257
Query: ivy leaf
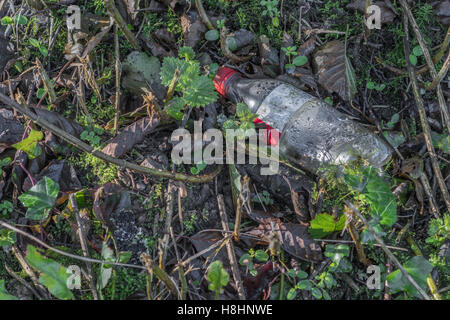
3, 294
304, 285
317, 293
201, 93
30, 144
291, 294
40, 198
53, 275
217, 276
324, 224
417, 51
441, 141
7, 237
419, 268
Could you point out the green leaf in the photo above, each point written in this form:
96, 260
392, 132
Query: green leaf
350, 77
304, 285
186, 52
300, 61
261, 256
105, 269
324, 224
291, 294
289, 66
217, 277
3, 294
246, 260
201, 92
382, 200
441, 141
419, 268
337, 252
301, 274
168, 68
53, 275
231, 43
175, 108
317, 293
417, 51
40, 198
370, 85
43, 50
413, 59
21, 19
6, 20
212, 35
30, 144
7, 237
35, 43
40, 93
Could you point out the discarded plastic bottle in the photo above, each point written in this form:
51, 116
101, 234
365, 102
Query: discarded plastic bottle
311, 132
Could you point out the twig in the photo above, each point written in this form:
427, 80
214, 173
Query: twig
160, 274
351, 242
423, 115
117, 110
29, 271
426, 53
388, 252
23, 282
443, 47
429, 192
203, 15
84, 247
115, 14
441, 75
356, 239
96, 153
169, 213
181, 273
73, 256
230, 249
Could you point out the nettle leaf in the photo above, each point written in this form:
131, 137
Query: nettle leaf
168, 68
324, 224
30, 144
3, 294
175, 108
40, 198
419, 268
186, 52
53, 275
217, 276
7, 237
201, 93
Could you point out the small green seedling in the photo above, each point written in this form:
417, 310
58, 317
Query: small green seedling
198, 168
247, 260
298, 61
372, 85
37, 44
271, 10
92, 136
4, 163
415, 54
217, 277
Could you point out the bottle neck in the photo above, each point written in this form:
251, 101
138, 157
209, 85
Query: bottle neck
252, 92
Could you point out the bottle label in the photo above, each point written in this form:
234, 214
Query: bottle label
278, 107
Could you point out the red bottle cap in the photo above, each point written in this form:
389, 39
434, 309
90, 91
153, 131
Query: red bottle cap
221, 78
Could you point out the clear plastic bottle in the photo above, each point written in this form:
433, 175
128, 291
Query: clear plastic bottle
311, 132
